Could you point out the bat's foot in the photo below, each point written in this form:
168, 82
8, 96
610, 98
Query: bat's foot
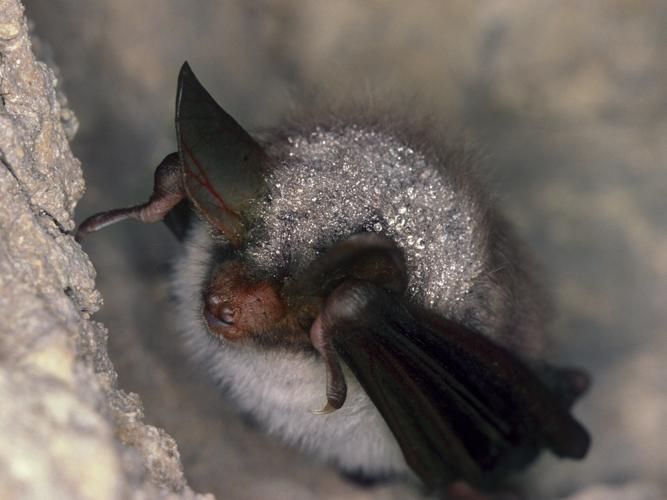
168, 191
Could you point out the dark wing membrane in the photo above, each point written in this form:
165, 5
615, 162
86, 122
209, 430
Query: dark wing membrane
460, 406
223, 165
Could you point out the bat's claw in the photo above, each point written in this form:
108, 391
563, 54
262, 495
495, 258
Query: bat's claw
328, 408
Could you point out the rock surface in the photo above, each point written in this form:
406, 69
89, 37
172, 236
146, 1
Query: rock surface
567, 100
66, 429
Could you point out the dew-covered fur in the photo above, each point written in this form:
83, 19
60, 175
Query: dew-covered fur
326, 184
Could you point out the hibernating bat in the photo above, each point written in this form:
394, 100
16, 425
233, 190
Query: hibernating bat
356, 264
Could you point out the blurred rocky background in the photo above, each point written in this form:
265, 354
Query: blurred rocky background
567, 101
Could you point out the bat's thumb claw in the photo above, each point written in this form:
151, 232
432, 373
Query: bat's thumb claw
328, 408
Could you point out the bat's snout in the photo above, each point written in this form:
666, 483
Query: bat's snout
235, 306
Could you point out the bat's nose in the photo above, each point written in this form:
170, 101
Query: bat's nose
217, 311
236, 306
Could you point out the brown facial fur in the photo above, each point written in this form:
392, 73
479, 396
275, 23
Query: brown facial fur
238, 307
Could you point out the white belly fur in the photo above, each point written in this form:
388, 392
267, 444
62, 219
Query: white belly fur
281, 388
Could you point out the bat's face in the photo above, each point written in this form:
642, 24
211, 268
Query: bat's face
354, 258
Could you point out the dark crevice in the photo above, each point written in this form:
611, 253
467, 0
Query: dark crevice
4, 161
40, 211
56, 222
2, 81
71, 293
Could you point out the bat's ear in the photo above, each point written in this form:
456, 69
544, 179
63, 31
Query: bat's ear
364, 256
223, 166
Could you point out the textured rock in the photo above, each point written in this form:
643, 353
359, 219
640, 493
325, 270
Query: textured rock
66, 430
567, 101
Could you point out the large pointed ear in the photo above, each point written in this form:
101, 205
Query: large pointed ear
363, 256
223, 166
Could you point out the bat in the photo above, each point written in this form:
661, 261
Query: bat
357, 266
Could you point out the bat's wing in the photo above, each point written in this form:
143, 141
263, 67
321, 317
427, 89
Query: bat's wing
222, 165
460, 405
